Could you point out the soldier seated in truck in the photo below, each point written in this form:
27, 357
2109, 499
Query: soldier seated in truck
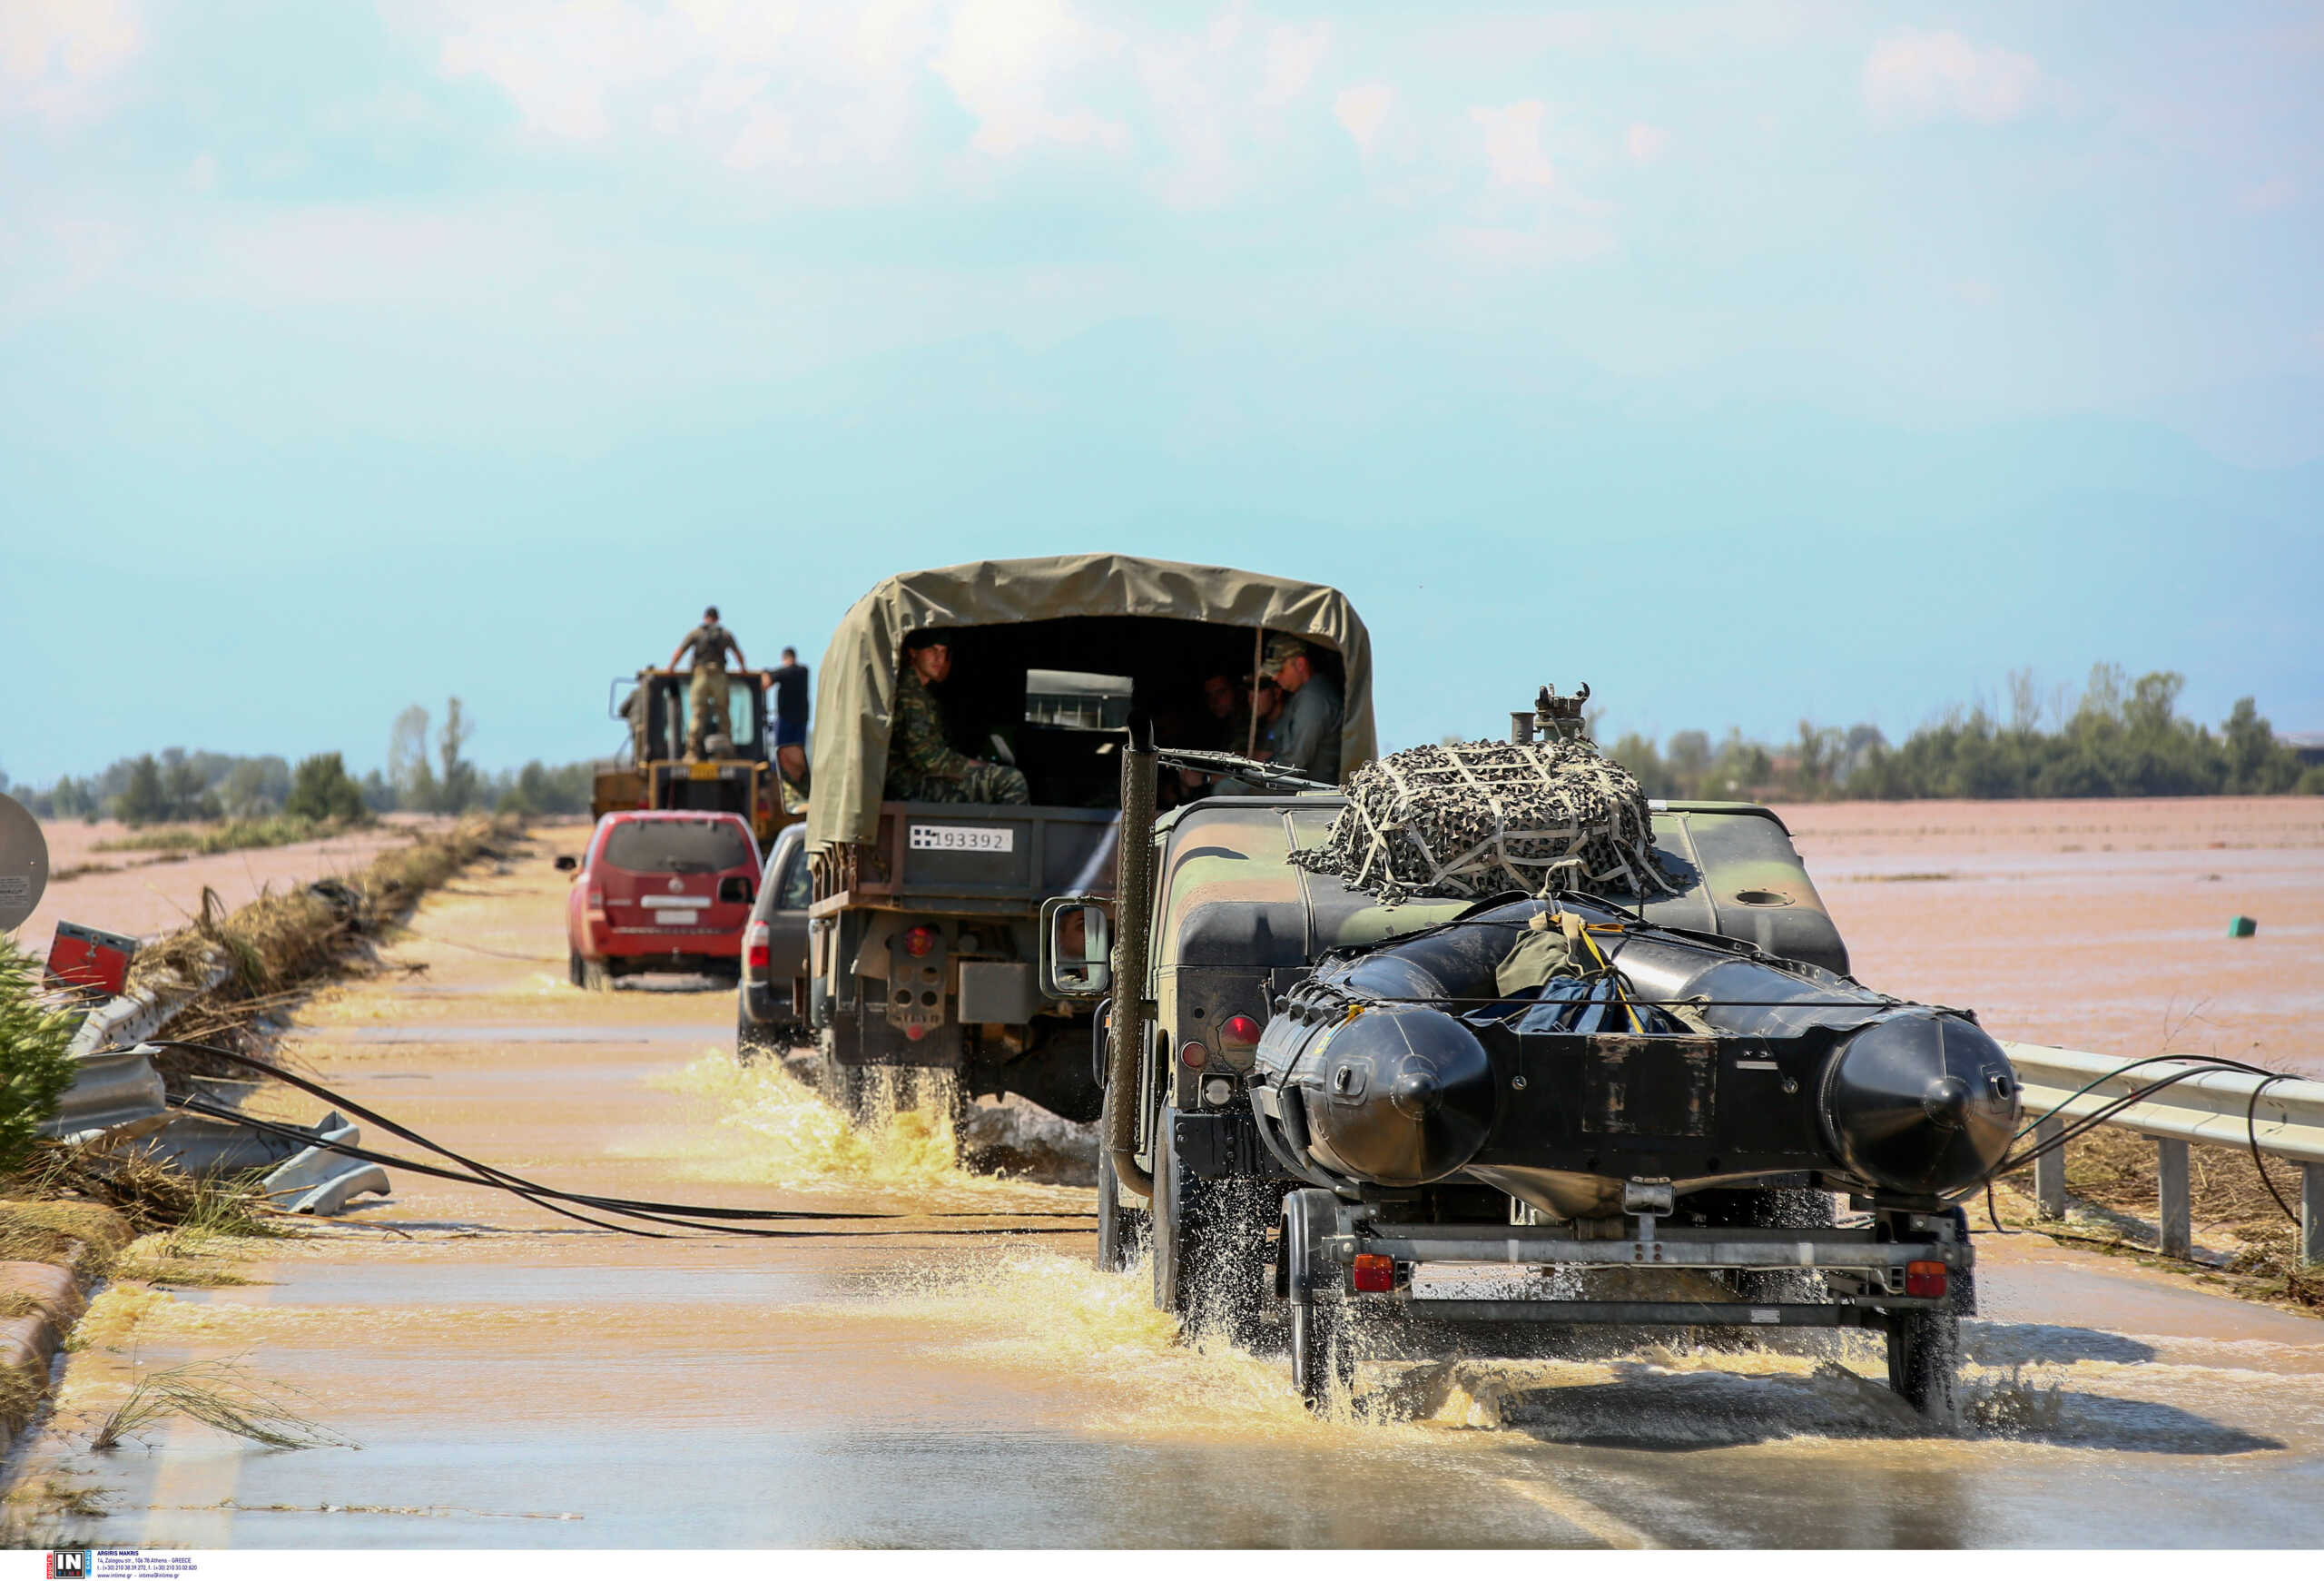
1308, 739
923, 765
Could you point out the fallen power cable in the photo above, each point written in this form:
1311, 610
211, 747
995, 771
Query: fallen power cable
2195, 1065
472, 1171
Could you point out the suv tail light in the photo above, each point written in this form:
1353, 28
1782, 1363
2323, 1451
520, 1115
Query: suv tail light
1925, 1278
755, 945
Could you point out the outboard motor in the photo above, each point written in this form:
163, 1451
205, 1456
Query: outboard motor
1646, 1054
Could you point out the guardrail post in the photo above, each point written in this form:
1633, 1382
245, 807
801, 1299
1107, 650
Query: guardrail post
2311, 1213
2174, 1204
2049, 1171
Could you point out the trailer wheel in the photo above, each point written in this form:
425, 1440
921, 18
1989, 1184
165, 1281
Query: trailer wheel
1924, 1363
1323, 1354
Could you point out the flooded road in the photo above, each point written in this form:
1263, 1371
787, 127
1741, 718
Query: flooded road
514, 1379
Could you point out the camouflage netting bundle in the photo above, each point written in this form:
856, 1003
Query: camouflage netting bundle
1485, 818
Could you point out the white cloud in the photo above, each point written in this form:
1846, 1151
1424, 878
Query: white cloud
1007, 61
56, 55
1916, 76
561, 61
201, 175
1647, 143
1363, 110
1293, 56
1513, 135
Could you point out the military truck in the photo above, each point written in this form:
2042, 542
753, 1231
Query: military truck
925, 925
1317, 1108
654, 773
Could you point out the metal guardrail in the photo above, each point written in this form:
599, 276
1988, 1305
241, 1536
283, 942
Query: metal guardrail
2215, 1108
110, 1090
117, 1101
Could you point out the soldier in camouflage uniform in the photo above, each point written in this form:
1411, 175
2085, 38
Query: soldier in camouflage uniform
922, 765
706, 686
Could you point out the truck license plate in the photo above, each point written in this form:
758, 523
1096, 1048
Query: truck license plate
960, 837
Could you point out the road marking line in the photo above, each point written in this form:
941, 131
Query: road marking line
1579, 1512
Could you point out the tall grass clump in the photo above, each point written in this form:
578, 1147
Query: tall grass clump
217, 1394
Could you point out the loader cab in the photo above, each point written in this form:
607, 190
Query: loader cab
663, 696
657, 775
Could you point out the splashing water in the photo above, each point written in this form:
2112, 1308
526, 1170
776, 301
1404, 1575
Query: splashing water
774, 1130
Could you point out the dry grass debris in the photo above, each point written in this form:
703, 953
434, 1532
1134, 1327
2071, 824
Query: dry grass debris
151, 1192
2112, 1170
50, 1231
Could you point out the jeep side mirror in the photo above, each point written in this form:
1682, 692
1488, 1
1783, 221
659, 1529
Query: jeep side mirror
567, 863
1077, 948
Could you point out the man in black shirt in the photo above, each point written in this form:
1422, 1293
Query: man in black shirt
788, 682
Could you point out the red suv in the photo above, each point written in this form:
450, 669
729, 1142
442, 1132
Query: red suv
661, 891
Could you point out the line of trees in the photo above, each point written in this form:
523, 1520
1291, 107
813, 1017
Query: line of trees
2118, 737
175, 785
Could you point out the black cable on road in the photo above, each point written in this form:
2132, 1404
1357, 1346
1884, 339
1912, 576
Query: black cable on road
2195, 1066
390, 1160
479, 1174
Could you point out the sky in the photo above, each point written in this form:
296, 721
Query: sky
1748, 362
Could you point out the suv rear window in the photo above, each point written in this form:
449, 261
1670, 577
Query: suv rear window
676, 847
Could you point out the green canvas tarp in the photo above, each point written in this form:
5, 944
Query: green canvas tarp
856, 693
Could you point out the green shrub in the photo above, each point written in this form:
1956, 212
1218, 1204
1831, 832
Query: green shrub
35, 1067
321, 789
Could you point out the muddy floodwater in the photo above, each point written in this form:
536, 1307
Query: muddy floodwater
510, 1378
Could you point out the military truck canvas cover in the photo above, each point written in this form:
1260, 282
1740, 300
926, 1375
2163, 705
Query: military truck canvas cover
855, 697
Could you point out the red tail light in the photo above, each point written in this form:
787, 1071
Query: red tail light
1374, 1274
1193, 1056
919, 941
754, 947
1239, 1029
1925, 1278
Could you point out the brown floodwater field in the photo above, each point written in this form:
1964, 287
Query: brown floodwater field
145, 894
516, 1379
2090, 924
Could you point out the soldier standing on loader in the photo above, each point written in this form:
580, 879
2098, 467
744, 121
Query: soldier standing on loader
922, 765
706, 686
